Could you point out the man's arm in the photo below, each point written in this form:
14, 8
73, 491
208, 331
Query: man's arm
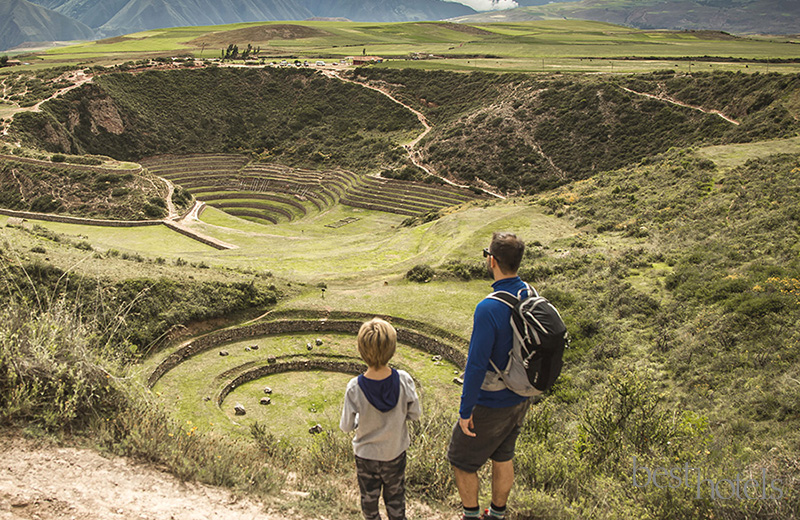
480, 350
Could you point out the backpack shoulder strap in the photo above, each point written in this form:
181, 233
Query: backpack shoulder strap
529, 289
505, 297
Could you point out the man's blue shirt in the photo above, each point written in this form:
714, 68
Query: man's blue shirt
492, 338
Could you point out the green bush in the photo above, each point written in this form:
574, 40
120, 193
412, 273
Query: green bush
420, 273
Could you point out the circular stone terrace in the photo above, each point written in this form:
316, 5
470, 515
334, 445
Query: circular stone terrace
299, 362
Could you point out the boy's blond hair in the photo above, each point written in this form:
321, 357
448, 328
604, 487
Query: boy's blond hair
377, 341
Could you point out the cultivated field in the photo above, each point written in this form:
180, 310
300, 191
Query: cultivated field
544, 46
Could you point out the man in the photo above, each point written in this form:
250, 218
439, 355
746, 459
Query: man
489, 421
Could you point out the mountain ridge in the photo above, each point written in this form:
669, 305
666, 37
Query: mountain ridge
741, 17
107, 18
22, 21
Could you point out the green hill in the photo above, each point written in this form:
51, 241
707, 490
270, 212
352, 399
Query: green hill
516, 133
289, 116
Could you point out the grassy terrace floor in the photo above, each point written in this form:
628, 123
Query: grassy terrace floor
299, 399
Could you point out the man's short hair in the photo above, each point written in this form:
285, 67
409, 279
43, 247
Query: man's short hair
507, 251
377, 341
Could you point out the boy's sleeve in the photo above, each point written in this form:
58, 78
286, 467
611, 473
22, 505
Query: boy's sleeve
349, 420
414, 408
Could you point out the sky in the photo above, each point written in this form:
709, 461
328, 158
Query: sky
487, 5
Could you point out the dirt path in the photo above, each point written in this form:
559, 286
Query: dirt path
54, 483
413, 155
682, 104
77, 77
172, 212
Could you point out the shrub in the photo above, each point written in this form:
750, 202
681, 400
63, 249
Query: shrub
467, 271
153, 211
50, 376
58, 158
421, 273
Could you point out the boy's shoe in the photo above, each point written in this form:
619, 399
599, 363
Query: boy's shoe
487, 516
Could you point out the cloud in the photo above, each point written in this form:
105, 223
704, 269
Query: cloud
488, 5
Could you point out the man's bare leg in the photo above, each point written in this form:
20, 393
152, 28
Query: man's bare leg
502, 480
468, 486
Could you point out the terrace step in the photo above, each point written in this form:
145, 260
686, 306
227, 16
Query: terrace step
391, 203
241, 196
255, 207
251, 215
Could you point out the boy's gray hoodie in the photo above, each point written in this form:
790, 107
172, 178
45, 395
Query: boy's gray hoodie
380, 435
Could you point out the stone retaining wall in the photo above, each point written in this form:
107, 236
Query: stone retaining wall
289, 366
217, 338
216, 244
419, 326
79, 220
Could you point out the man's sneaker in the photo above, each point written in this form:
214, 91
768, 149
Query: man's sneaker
487, 516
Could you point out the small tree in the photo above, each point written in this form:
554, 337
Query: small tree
3, 61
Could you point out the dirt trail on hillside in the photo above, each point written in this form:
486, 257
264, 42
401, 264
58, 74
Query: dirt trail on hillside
54, 483
682, 104
413, 155
77, 78
172, 212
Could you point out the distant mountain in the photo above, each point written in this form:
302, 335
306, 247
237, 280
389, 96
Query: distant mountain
735, 16
93, 13
389, 10
22, 21
115, 17
139, 15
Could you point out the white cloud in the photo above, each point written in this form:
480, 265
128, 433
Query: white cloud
488, 5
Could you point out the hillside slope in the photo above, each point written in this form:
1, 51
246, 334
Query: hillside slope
292, 116
514, 132
524, 133
743, 17
80, 191
22, 21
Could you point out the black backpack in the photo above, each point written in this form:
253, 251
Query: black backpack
540, 338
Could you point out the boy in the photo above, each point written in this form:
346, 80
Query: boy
377, 405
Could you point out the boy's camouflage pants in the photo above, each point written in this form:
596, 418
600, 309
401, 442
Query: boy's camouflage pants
374, 475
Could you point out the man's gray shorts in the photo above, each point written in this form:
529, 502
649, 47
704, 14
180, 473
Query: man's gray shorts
496, 431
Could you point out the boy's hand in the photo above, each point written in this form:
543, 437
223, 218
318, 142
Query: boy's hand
466, 426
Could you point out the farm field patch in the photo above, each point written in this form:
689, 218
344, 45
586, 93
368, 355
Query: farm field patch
564, 45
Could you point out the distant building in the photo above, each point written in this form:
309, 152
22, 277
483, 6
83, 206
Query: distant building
365, 60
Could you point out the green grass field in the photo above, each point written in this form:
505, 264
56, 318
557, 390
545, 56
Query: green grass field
728, 156
375, 246
551, 45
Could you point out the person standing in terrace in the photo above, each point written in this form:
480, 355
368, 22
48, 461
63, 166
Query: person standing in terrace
377, 405
489, 421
